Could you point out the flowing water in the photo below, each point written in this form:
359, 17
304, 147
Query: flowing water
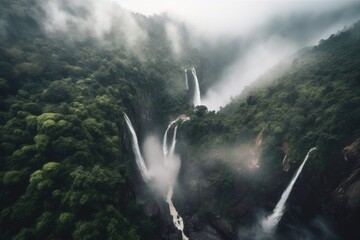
177, 220
197, 95
186, 80
270, 223
165, 148
136, 149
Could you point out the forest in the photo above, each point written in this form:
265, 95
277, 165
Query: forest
67, 168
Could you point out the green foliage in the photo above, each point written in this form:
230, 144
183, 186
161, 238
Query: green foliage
11, 178
86, 231
65, 159
51, 168
41, 142
313, 102
58, 91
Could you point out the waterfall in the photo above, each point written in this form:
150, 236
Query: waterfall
135, 146
165, 149
269, 224
178, 221
186, 80
172, 148
197, 95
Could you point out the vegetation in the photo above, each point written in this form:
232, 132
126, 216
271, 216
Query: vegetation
65, 155
314, 102
66, 165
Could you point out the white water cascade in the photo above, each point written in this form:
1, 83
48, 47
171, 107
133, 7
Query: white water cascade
186, 80
197, 95
177, 220
270, 223
172, 148
135, 146
168, 156
165, 148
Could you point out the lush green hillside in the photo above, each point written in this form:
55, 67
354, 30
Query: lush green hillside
66, 165
314, 102
67, 170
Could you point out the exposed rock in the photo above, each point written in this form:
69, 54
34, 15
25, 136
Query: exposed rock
346, 197
203, 235
222, 226
347, 194
287, 162
175, 236
352, 152
152, 209
194, 224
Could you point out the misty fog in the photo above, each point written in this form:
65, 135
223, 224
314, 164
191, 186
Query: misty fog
267, 31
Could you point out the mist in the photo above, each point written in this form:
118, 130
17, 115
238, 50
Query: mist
269, 44
317, 229
162, 172
267, 32
106, 22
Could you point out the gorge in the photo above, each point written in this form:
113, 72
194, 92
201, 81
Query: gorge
116, 124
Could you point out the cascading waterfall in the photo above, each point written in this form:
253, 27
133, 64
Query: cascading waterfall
197, 95
270, 223
186, 80
172, 148
136, 149
165, 149
177, 220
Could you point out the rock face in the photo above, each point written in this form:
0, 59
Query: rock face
223, 227
287, 162
346, 197
152, 209
352, 153
202, 235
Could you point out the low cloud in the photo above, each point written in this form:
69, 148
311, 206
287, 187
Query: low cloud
174, 37
104, 21
3, 32
273, 42
162, 171
317, 229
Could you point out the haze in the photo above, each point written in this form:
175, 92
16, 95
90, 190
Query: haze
266, 31
272, 29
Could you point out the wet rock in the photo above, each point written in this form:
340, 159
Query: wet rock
152, 209
286, 162
352, 152
347, 194
222, 226
193, 224
346, 197
203, 235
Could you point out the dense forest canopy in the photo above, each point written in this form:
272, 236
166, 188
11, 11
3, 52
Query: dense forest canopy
67, 168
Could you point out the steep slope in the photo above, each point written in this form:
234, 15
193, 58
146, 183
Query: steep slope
313, 102
66, 166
